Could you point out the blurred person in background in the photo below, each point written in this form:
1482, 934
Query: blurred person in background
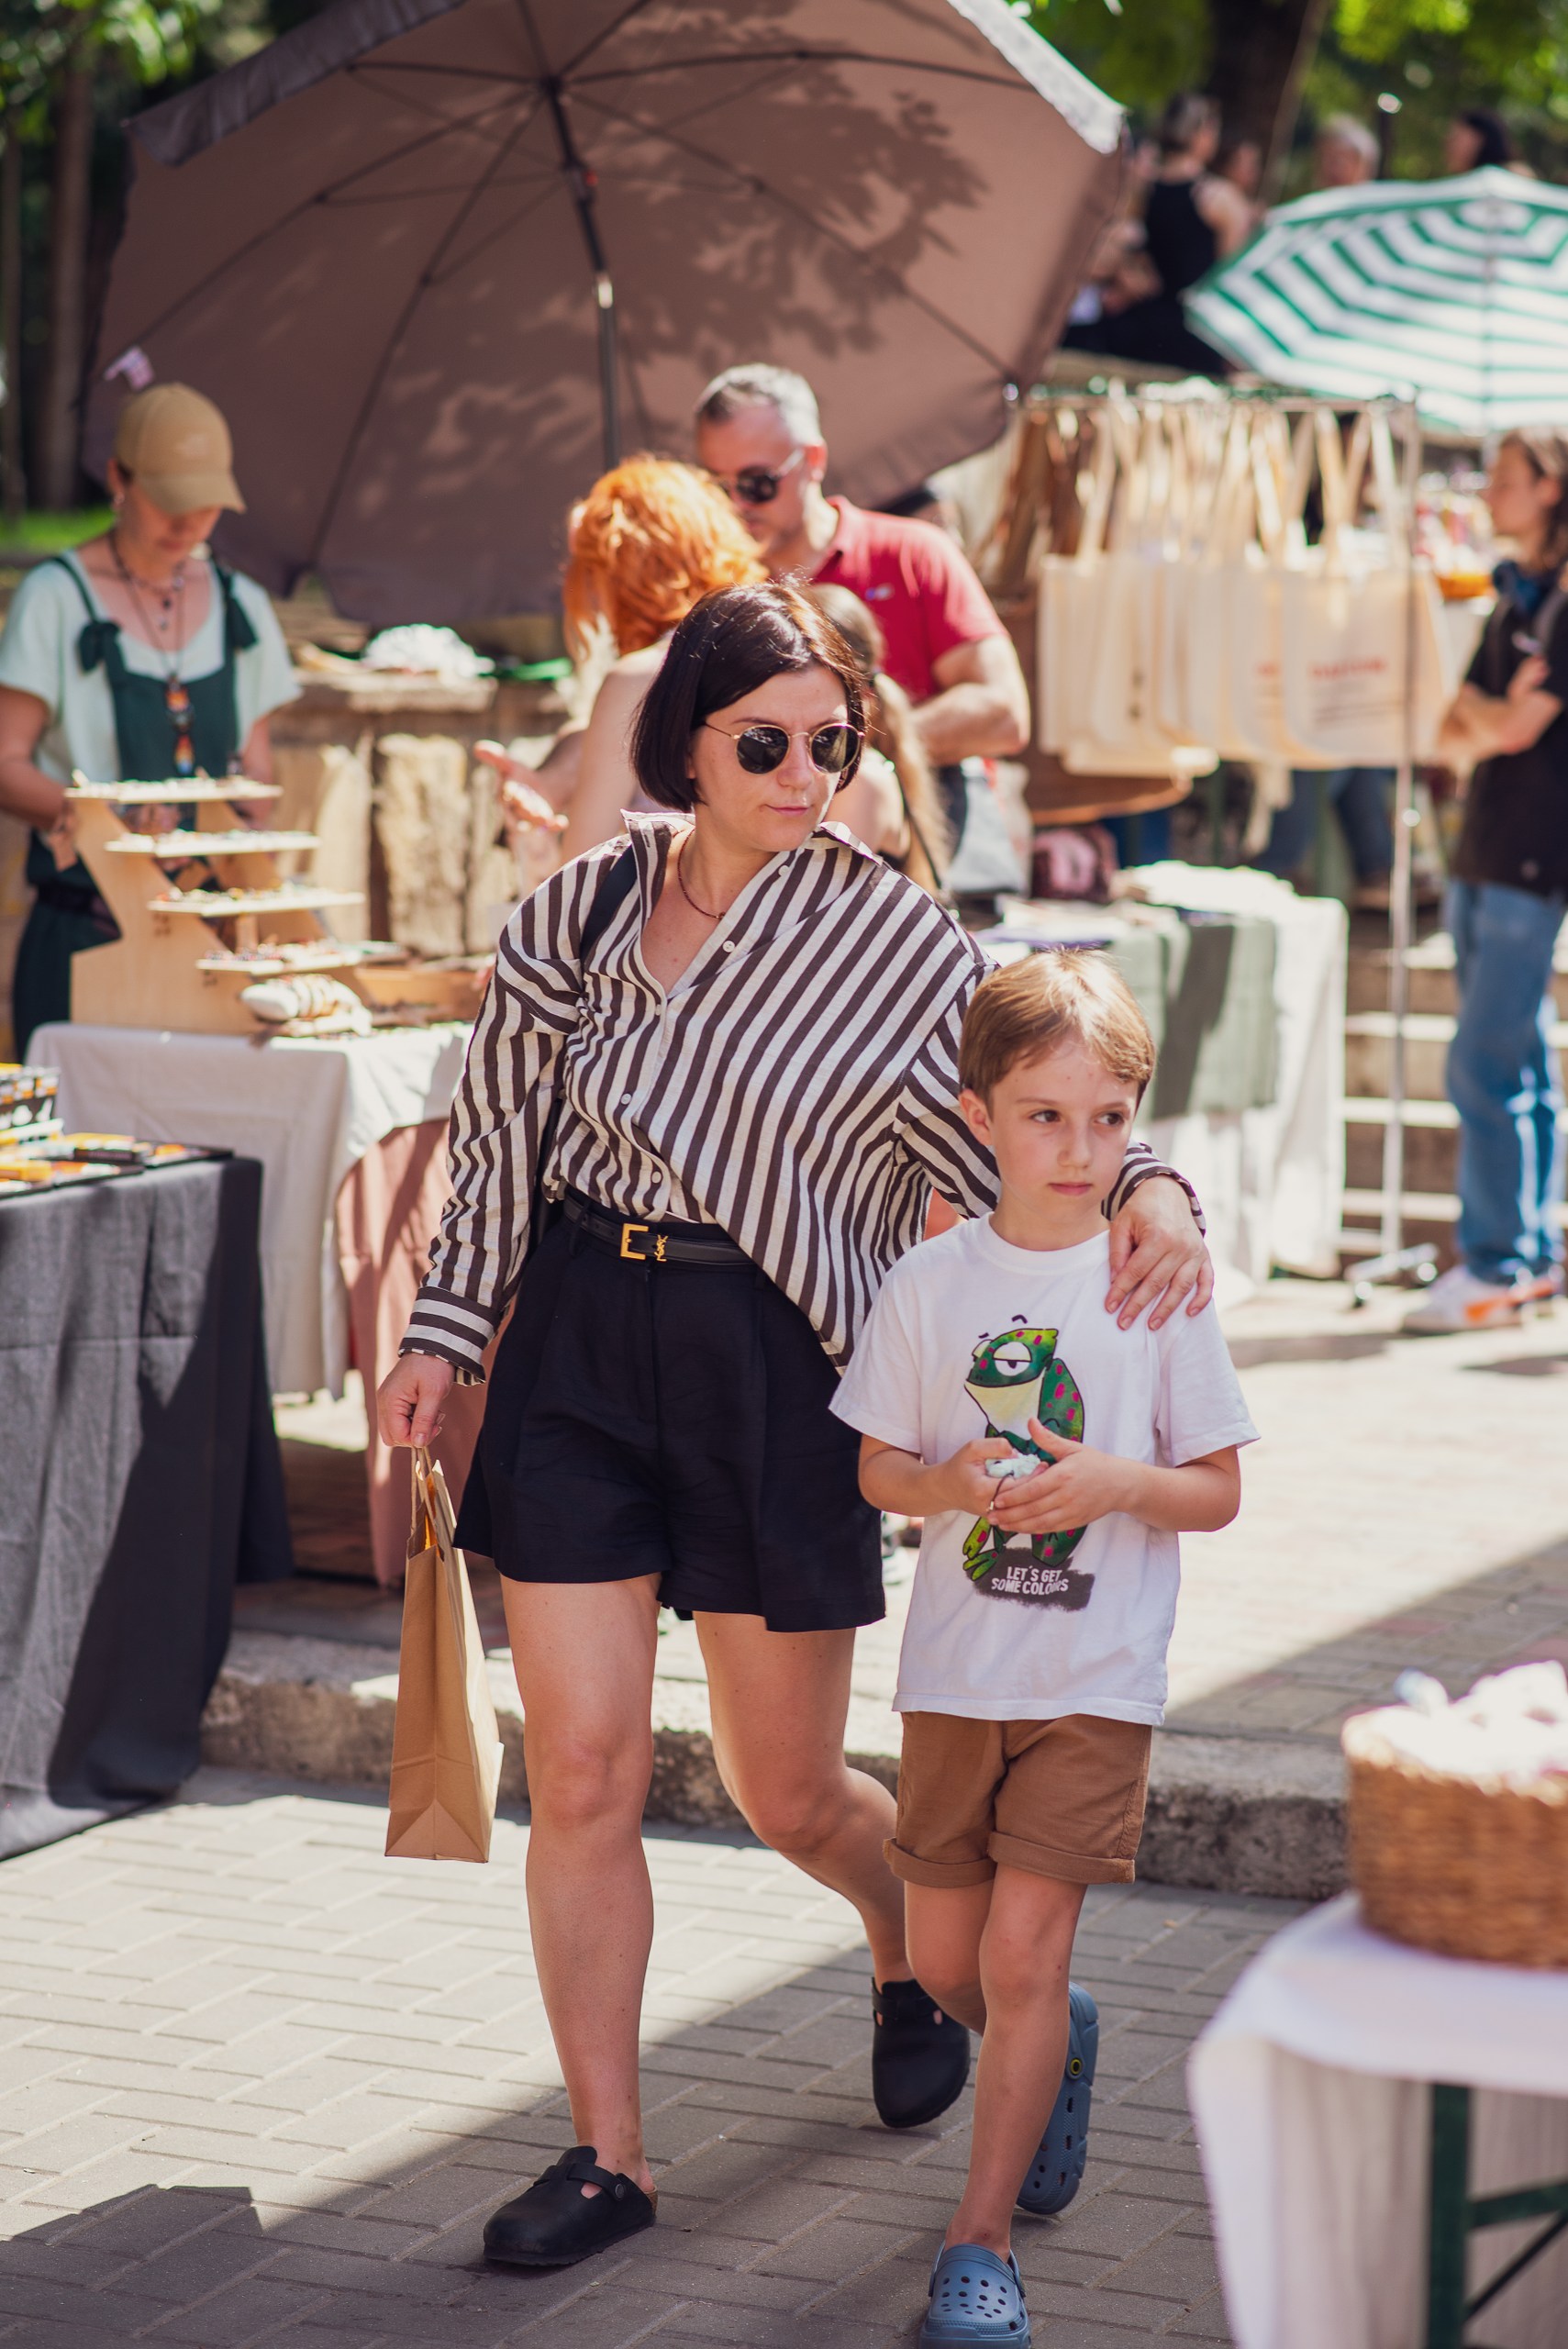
1476, 138
1505, 906
135, 658
759, 435
893, 804
1240, 164
1344, 153
1119, 271
651, 540
1359, 797
1192, 219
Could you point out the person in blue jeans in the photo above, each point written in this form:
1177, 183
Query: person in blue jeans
1505, 907
1360, 797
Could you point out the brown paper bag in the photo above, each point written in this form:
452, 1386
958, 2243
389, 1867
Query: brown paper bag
446, 1750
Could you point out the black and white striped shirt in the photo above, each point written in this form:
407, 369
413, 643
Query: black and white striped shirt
798, 1085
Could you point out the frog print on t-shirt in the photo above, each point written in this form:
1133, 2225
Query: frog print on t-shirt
1015, 1378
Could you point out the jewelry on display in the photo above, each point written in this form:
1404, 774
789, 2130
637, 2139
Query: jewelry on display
686, 892
171, 601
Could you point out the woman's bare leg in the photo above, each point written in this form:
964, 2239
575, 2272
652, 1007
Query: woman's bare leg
780, 1702
583, 1657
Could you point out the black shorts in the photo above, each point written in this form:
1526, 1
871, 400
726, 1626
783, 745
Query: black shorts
672, 1419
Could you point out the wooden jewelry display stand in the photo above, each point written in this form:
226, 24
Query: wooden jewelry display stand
175, 963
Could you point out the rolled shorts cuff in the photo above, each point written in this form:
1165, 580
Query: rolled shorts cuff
1071, 1867
941, 1876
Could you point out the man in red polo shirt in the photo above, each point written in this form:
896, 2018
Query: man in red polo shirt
759, 434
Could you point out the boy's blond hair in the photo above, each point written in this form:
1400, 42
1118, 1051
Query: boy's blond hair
1030, 1008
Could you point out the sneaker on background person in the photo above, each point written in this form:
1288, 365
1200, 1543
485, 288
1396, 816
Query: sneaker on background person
1458, 1300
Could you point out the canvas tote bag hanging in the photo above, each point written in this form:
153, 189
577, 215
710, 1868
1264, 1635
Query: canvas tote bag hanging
1066, 619
1226, 545
1208, 521
1254, 594
1121, 731
1366, 625
446, 1749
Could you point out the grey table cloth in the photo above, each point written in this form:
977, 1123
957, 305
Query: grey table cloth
141, 1480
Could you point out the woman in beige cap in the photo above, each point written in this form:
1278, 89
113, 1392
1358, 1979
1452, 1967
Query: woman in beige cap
135, 658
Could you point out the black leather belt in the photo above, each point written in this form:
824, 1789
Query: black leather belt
652, 1244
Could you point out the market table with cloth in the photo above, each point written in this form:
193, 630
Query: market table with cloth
1355, 2100
142, 1480
1243, 985
351, 1131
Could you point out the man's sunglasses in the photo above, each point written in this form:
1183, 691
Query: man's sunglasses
758, 484
762, 749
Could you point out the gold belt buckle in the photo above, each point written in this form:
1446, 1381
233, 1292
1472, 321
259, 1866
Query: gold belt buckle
634, 1255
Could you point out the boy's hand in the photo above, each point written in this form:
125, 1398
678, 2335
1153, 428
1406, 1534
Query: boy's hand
961, 1482
1083, 1486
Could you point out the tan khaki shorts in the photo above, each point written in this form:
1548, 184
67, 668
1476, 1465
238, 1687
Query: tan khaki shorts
1062, 1798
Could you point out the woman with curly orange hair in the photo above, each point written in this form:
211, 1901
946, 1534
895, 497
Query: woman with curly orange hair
650, 540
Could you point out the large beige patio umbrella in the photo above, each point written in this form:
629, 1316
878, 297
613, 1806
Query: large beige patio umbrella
435, 259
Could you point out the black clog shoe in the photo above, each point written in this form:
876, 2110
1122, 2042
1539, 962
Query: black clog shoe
553, 2223
920, 2056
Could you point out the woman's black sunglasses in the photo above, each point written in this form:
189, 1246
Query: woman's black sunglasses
761, 749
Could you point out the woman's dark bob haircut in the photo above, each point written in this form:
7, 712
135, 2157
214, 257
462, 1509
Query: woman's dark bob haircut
727, 646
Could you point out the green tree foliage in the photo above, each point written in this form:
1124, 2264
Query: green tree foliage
1433, 56
1437, 56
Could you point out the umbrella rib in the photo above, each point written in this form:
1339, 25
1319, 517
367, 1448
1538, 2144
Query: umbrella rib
605, 32
807, 57
297, 211
769, 79
514, 220
400, 327
759, 186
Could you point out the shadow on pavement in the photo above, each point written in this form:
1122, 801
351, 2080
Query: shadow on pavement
362, 2165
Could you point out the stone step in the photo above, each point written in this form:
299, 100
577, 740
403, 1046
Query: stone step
1368, 1036
1431, 980
1233, 1814
1428, 1215
1431, 1143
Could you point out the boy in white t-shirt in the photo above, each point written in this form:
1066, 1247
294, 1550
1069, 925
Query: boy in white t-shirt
1054, 1457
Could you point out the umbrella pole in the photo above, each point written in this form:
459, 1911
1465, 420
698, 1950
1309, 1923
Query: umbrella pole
583, 186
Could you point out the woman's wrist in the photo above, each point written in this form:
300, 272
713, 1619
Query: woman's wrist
27, 793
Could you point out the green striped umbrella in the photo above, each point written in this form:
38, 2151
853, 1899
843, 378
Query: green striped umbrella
1455, 291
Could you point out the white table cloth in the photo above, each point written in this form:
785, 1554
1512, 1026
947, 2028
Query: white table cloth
1311, 2092
1272, 1180
307, 1108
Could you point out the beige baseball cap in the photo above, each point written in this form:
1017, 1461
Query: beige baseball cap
176, 444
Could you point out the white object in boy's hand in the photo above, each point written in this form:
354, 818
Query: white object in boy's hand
1016, 1463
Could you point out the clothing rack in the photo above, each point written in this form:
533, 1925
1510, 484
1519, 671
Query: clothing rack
1393, 1258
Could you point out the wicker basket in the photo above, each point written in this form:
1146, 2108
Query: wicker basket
1454, 1865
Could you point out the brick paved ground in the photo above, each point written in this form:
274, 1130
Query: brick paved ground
259, 2085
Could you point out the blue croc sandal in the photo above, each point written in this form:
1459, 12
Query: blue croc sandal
1057, 2170
975, 2297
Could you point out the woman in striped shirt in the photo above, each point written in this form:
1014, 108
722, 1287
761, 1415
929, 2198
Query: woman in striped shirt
733, 1043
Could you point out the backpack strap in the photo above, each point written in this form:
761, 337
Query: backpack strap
615, 886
